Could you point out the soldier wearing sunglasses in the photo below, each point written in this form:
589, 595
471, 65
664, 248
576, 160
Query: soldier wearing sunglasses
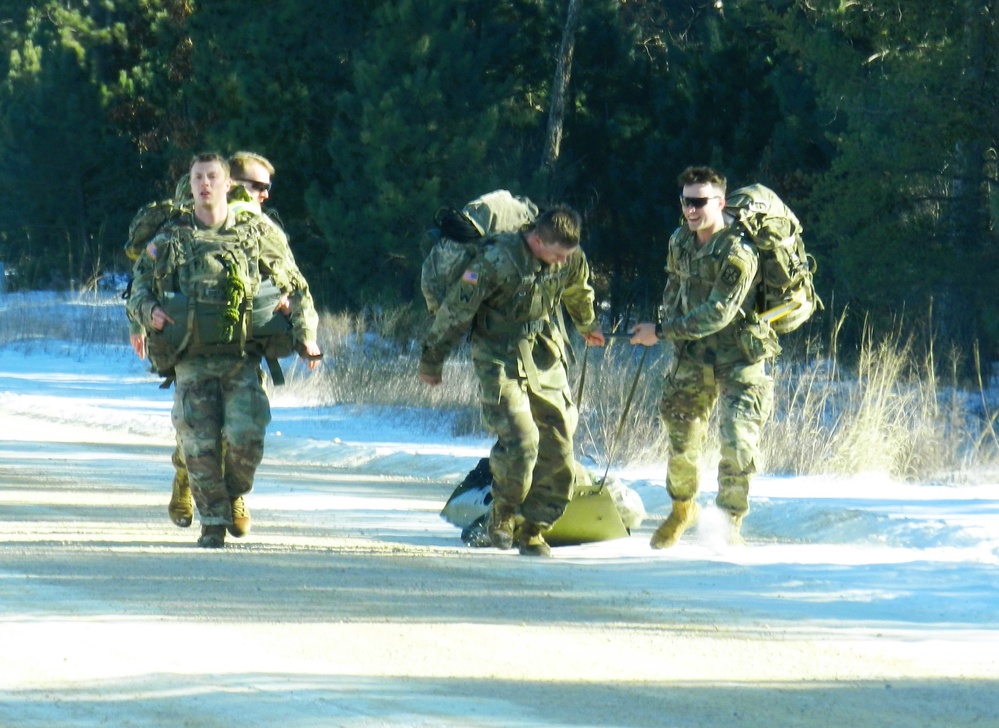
253, 172
720, 357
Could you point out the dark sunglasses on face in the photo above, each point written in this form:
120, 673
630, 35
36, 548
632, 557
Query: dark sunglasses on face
696, 202
254, 185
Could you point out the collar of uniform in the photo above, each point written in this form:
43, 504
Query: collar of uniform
536, 264
228, 223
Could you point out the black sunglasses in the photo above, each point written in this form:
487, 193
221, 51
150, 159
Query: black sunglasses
696, 202
254, 185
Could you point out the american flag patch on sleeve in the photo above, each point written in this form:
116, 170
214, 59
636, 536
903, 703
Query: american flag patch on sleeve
470, 276
151, 250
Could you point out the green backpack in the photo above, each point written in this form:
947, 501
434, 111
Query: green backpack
207, 284
147, 222
459, 235
270, 333
787, 297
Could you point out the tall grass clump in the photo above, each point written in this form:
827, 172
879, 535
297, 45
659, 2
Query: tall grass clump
618, 406
890, 409
887, 412
34, 320
890, 405
370, 359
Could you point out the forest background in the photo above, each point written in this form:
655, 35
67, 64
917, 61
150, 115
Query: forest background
876, 121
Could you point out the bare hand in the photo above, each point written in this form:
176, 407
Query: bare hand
594, 338
159, 318
310, 353
644, 334
432, 379
284, 305
138, 344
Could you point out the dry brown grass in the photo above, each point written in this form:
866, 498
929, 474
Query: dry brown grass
895, 409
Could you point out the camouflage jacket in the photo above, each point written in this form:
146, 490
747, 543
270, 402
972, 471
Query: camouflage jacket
710, 290
276, 262
275, 254
153, 271
507, 295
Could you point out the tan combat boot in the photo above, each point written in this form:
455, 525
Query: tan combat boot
684, 514
501, 519
181, 507
530, 542
734, 527
240, 525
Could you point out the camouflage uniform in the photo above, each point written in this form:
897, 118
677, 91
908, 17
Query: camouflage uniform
220, 407
721, 356
508, 296
276, 255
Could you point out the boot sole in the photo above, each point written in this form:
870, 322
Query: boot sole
502, 541
543, 551
182, 520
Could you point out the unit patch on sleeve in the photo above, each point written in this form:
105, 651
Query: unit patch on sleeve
731, 274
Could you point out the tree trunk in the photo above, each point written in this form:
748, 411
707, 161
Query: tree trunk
560, 85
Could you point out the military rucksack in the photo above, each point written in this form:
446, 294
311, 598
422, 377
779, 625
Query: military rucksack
459, 235
147, 222
270, 333
208, 284
787, 287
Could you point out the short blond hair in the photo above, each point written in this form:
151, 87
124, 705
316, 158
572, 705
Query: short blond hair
241, 160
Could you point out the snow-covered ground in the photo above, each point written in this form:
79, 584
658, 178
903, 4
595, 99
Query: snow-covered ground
859, 602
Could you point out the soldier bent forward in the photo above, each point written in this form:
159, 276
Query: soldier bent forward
509, 295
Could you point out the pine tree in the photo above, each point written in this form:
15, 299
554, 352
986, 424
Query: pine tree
418, 128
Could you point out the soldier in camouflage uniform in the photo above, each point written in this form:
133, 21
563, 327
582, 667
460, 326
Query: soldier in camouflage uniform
251, 175
220, 407
720, 357
509, 295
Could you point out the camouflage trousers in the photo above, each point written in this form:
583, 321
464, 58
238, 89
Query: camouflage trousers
221, 413
532, 462
744, 396
180, 468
